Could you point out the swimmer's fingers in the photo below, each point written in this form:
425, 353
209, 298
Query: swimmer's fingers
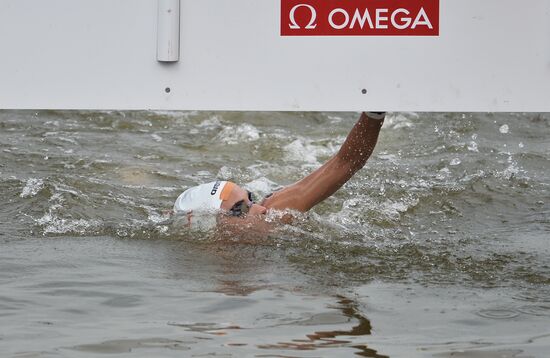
376, 115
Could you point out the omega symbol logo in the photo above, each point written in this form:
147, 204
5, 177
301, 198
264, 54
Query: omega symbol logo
311, 25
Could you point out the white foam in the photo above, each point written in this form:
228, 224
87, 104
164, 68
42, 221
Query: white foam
55, 225
455, 162
32, 187
504, 129
60, 188
242, 133
335, 119
303, 150
261, 186
226, 173
166, 189
173, 114
398, 121
511, 171
153, 216
63, 139
443, 173
212, 122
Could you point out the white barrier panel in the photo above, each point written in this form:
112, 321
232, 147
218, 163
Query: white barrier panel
485, 55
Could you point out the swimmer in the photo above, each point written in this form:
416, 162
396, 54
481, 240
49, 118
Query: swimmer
202, 204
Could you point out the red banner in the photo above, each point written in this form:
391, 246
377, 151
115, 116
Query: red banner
359, 18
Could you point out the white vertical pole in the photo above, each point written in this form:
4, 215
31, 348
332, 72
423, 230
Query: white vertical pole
168, 31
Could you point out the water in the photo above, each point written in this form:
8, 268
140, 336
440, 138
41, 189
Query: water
438, 248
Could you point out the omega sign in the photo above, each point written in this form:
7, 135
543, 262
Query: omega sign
359, 18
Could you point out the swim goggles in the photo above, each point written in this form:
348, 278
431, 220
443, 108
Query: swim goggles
242, 207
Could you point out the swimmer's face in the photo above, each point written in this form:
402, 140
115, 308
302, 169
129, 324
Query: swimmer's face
237, 198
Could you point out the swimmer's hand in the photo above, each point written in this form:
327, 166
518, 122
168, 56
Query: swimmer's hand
376, 115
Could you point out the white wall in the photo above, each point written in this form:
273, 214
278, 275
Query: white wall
491, 55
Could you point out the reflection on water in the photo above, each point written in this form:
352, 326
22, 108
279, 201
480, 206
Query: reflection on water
235, 263
322, 339
326, 339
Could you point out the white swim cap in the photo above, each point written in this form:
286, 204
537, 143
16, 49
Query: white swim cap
203, 198
200, 205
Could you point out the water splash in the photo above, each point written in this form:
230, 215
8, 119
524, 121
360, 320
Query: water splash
504, 129
32, 187
238, 134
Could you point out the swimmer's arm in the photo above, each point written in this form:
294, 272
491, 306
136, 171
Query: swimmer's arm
330, 177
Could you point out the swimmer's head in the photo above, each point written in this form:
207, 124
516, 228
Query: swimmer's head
241, 203
202, 203
204, 197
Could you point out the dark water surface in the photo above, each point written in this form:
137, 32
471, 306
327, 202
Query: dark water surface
438, 248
